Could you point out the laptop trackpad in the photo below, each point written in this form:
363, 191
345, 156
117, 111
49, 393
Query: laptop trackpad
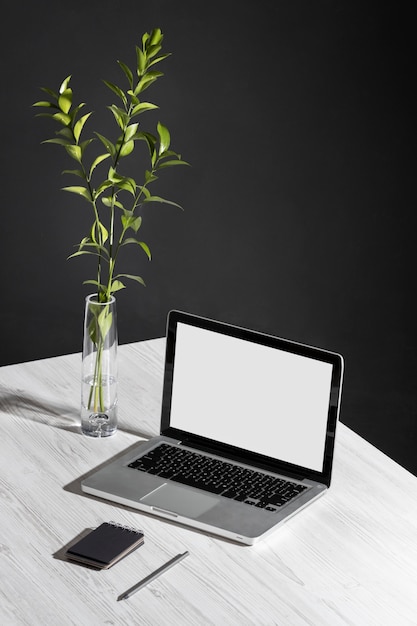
171, 498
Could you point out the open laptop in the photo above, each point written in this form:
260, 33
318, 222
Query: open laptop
247, 432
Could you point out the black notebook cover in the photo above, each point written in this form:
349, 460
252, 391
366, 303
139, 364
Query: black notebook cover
105, 545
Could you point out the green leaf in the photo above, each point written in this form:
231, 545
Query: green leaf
99, 230
67, 133
141, 61
93, 326
107, 201
145, 247
123, 182
134, 99
130, 131
64, 84
136, 224
61, 142
74, 112
127, 148
96, 284
99, 250
127, 72
162, 200
144, 190
113, 175
158, 59
63, 118
128, 184
74, 152
107, 144
172, 162
120, 116
169, 153
84, 241
142, 244
79, 126
50, 92
110, 201
150, 140
130, 221
79, 173
83, 145
153, 50
97, 161
44, 103
155, 38
138, 279
44, 115
102, 187
79, 253
80, 191
65, 100
105, 320
116, 286
164, 138
149, 177
142, 107
146, 81
115, 89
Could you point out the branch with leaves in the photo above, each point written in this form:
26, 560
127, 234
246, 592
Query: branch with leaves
116, 199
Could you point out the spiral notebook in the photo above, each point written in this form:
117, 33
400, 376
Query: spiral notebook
106, 545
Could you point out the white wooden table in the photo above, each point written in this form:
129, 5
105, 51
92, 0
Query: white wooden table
350, 558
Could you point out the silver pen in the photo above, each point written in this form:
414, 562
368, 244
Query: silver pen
152, 576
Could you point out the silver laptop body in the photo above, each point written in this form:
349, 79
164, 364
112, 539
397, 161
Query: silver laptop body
252, 400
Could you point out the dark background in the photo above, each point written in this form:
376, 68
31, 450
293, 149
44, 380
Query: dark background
299, 205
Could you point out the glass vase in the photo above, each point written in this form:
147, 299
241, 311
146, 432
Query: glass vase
99, 368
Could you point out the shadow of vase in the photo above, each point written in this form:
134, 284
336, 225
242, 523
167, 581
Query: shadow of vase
40, 409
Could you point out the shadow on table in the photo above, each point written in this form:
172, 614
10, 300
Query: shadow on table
61, 554
40, 409
49, 412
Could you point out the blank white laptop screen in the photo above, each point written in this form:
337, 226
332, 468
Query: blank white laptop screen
251, 396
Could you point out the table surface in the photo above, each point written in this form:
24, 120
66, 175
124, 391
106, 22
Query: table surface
349, 558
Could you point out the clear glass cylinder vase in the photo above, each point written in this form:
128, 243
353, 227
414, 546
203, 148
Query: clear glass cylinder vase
99, 368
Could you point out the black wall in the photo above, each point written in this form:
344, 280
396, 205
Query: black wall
299, 206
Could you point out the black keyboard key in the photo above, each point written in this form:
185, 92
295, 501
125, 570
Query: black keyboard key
192, 482
216, 476
241, 497
231, 493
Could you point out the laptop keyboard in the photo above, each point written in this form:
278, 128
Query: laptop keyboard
216, 476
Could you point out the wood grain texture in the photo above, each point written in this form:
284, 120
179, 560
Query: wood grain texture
350, 558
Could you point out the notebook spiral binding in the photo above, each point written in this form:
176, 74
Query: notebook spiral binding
123, 527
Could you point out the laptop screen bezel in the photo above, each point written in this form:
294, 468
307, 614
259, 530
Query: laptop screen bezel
233, 453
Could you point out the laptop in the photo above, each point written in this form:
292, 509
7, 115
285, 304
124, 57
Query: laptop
247, 432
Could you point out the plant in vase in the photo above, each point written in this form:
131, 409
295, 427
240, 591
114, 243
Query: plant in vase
115, 200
